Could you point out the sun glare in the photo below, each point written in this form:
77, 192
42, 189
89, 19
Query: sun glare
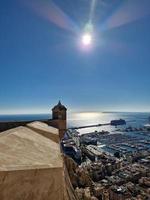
86, 39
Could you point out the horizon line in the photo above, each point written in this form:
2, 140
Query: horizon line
70, 112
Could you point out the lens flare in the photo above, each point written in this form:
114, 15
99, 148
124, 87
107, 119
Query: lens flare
53, 13
127, 12
92, 10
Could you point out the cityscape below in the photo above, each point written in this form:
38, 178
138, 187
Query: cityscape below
115, 155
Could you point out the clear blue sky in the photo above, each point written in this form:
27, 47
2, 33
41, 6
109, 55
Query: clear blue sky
41, 61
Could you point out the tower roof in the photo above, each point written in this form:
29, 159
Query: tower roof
59, 106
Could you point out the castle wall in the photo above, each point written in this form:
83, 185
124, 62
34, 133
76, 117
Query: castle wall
36, 184
58, 123
4, 126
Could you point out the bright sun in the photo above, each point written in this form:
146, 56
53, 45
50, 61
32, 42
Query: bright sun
86, 39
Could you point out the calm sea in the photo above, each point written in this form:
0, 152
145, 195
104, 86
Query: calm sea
24, 117
88, 118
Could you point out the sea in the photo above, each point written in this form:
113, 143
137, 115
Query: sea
136, 120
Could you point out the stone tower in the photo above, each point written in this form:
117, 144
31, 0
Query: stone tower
59, 117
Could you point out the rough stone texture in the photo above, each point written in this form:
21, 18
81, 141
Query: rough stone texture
13, 124
80, 193
39, 184
22, 148
87, 194
71, 168
84, 194
4, 126
61, 125
84, 179
78, 176
31, 167
85, 188
45, 130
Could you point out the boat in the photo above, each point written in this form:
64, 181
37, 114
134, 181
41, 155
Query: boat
118, 122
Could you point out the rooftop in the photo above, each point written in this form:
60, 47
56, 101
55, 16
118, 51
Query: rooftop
22, 148
59, 106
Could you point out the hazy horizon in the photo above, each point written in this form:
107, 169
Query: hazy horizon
71, 112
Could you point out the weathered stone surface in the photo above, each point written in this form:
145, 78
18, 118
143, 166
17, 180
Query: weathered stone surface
71, 168
80, 193
21, 148
84, 194
87, 194
78, 176
45, 130
84, 179
31, 167
38, 184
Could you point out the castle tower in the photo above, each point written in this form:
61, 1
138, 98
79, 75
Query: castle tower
59, 117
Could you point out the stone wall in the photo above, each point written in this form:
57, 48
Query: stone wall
60, 124
36, 184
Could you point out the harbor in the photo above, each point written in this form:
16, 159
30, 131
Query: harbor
123, 139
123, 142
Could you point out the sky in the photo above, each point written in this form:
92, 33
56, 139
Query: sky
42, 59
